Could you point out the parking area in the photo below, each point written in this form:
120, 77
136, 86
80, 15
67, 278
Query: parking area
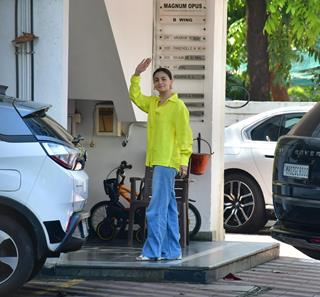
283, 277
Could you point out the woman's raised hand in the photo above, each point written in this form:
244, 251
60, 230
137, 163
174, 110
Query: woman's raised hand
142, 66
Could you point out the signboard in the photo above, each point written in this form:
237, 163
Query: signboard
180, 46
188, 76
183, 67
183, 57
191, 95
182, 8
171, 37
181, 20
184, 48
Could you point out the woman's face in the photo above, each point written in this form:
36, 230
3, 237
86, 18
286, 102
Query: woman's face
162, 82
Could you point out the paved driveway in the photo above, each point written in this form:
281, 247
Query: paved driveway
283, 277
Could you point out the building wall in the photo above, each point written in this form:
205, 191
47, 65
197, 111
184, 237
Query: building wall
107, 39
105, 153
132, 43
50, 53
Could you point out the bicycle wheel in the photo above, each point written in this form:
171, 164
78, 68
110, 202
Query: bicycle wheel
194, 220
139, 236
98, 214
106, 230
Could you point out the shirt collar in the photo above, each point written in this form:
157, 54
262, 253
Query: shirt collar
172, 98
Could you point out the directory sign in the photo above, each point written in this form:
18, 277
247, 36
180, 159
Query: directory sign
180, 44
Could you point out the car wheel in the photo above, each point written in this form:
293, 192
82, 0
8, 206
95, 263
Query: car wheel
244, 207
38, 264
16, 255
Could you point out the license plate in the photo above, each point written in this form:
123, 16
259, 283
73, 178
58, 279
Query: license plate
295, 170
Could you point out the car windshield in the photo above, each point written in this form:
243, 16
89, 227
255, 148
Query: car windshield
44, 126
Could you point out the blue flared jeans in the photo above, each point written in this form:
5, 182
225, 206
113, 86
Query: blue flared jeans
162, 217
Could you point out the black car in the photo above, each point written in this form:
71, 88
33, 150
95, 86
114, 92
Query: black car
296, 186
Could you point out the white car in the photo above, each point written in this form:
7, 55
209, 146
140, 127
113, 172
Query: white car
43, 190
249, 154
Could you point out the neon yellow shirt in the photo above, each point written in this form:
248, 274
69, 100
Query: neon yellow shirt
169, 136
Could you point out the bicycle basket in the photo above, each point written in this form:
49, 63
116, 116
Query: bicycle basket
110, 186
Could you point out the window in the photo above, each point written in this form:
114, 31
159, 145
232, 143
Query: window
44, 127
273, 128
289, 120
106, 120
268, 130
11, 123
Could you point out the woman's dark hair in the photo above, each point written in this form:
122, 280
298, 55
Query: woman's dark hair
165, 70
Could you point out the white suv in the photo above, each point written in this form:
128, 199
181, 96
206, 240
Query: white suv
43, 190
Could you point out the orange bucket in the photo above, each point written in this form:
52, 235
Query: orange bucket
199, 161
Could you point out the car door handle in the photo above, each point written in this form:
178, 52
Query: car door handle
269, 156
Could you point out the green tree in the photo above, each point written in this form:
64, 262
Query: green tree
237, 28
293, 27
290, 27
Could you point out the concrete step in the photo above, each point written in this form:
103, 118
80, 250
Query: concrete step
203, 262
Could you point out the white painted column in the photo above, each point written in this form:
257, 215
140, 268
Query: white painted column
51, 24
7, 50
218, 43
208, 189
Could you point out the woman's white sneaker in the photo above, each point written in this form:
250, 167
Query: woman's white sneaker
144, 258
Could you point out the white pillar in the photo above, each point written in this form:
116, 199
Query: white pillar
218, 42
51, 25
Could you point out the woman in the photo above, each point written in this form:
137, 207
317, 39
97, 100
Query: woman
169, 146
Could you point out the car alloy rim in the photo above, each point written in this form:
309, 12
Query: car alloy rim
238, 203
9, 256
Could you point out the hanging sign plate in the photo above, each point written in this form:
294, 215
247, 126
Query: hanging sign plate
183, 57
182, 8
171, 37
184, 67
189, 76
183, 48
191, 95
182, 20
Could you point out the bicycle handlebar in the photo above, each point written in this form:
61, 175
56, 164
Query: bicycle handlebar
125, 165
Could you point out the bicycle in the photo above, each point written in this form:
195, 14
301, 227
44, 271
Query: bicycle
110, 217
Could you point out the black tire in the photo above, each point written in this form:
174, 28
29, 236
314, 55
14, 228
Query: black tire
139, 235
106, 230
16, 244
97, 214
38, 264
244, 206
194, 220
